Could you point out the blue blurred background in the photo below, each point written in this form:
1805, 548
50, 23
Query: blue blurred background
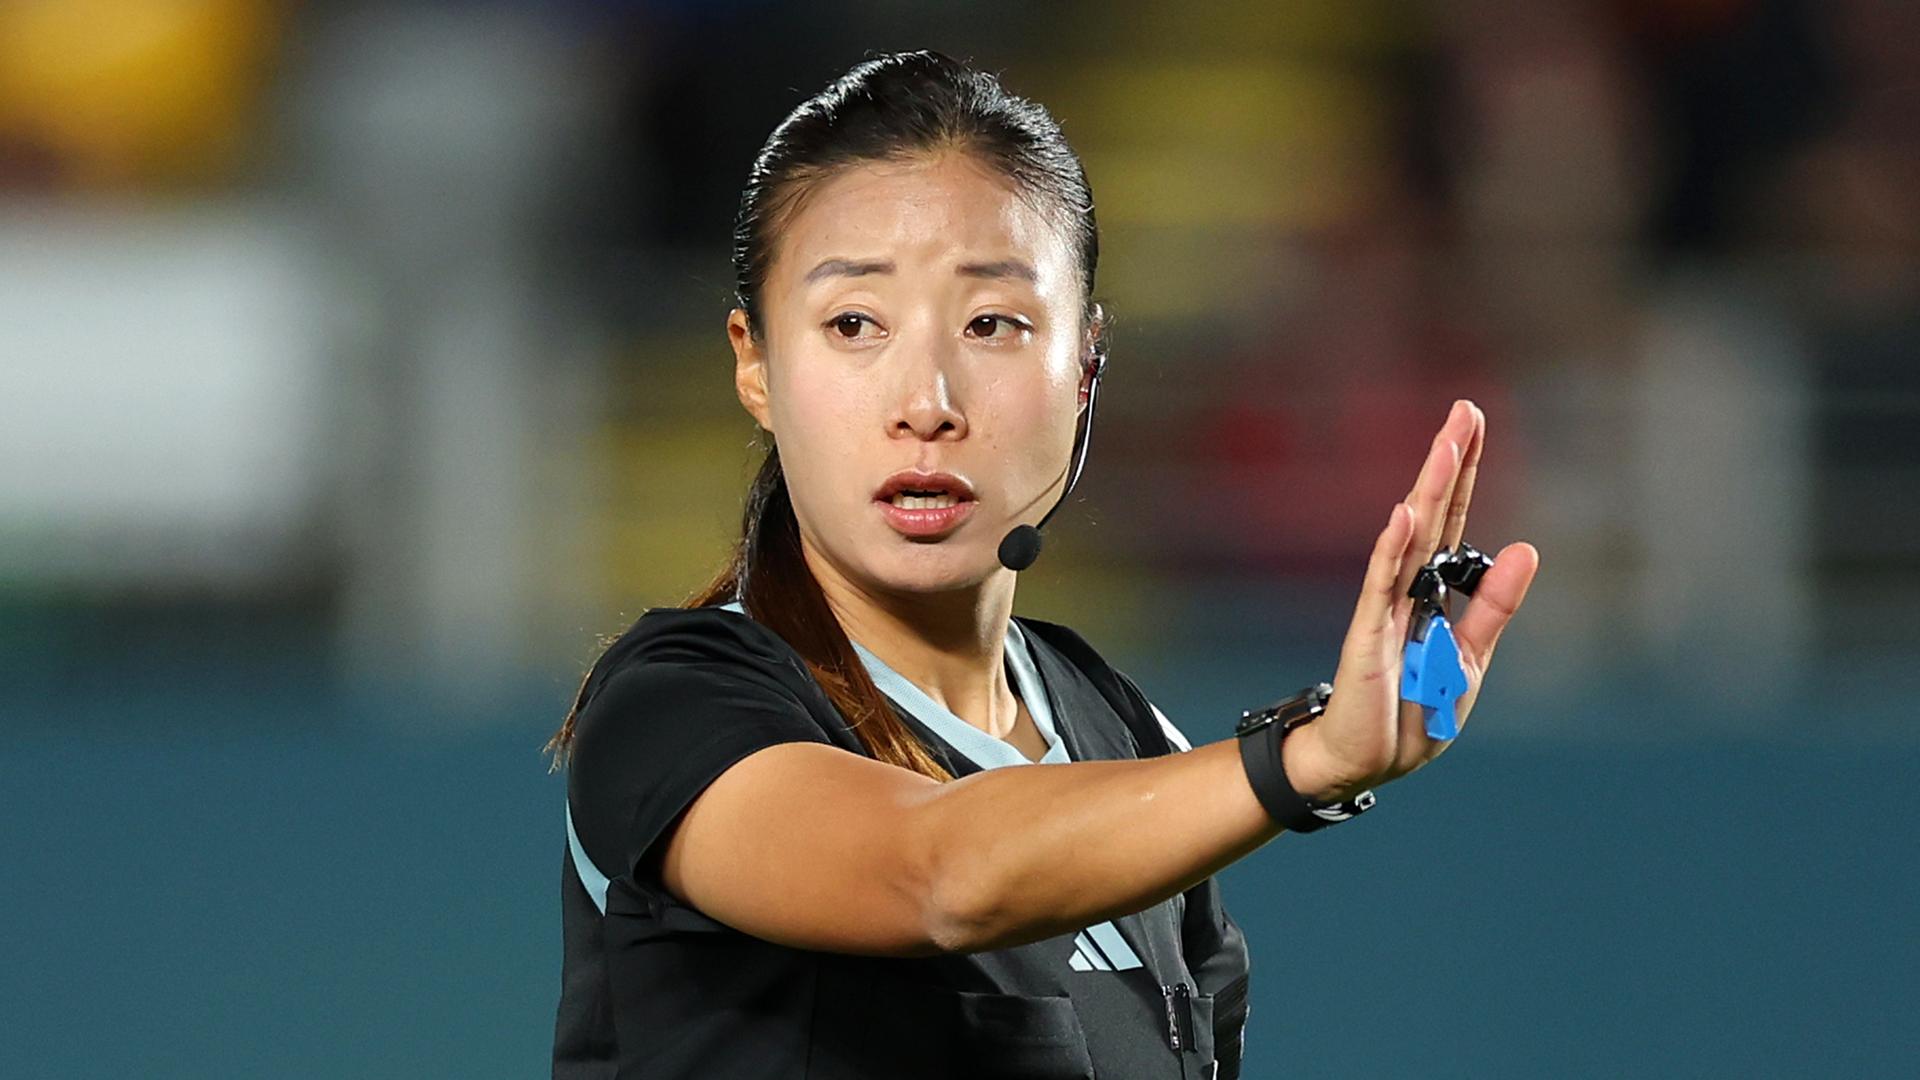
361, 364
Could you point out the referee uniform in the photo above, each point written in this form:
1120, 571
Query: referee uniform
653, 988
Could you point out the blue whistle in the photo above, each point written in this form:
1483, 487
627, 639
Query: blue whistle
1430, 671
1431, 676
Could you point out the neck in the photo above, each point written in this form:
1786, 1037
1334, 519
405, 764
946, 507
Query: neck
949, 644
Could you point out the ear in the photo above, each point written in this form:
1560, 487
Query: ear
749, 369
1094, 352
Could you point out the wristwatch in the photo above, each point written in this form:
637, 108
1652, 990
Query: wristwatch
1260, 733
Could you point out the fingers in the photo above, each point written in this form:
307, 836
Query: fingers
1456, 524
1378, 593
1494, 602
1433, 490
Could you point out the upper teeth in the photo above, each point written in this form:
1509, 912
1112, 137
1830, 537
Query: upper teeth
908, 501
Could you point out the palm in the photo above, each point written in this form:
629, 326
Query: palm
1369, 734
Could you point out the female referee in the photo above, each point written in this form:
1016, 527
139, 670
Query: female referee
798, 844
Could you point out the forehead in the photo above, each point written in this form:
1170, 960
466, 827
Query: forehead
925, 213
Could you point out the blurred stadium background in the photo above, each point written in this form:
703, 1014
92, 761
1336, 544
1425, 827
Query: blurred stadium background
362, 363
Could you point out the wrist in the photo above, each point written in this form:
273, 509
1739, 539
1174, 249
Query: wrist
1307, 766
1288, 766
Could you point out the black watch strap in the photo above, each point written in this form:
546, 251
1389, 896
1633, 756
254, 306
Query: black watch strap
1261, 732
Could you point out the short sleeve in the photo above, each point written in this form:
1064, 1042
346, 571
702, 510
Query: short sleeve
652, 738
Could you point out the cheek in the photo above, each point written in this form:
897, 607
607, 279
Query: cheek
821, 417
1033, 418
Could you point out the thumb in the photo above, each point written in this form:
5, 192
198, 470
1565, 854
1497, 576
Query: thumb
1495, 601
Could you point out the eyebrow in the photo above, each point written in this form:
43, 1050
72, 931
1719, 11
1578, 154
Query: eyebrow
1003, 268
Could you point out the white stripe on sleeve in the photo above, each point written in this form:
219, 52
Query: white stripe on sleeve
1173, 733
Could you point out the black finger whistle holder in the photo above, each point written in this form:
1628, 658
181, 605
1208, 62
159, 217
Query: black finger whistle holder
1431, 675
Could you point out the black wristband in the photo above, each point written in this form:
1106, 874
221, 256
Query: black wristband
1261, 734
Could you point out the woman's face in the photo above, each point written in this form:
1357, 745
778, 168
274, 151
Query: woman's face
920, 318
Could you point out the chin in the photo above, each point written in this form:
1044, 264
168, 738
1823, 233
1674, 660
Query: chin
940, 567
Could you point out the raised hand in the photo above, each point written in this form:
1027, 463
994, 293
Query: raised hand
1368, 735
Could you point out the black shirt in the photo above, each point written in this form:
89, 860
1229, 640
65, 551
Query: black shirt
653, 988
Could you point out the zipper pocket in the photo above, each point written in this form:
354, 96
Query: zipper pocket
1179, 999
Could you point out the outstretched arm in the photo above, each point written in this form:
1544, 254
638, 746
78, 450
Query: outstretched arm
816, 847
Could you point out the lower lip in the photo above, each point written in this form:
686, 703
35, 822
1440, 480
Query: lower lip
923, 523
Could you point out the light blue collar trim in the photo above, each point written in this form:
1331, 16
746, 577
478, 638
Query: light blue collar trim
979, 747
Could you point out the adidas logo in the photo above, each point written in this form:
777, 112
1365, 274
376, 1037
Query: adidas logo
1101, 948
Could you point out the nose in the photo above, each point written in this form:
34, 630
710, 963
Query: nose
927, 408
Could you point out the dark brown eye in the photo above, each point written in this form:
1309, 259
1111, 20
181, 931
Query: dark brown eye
848, 324
985, 324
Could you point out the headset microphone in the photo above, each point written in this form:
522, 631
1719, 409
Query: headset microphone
1021, 546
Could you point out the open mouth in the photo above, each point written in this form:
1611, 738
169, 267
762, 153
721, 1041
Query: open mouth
925, 505
915, 489
924, 500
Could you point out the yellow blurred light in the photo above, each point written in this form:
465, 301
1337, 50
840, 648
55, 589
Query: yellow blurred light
126, 92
